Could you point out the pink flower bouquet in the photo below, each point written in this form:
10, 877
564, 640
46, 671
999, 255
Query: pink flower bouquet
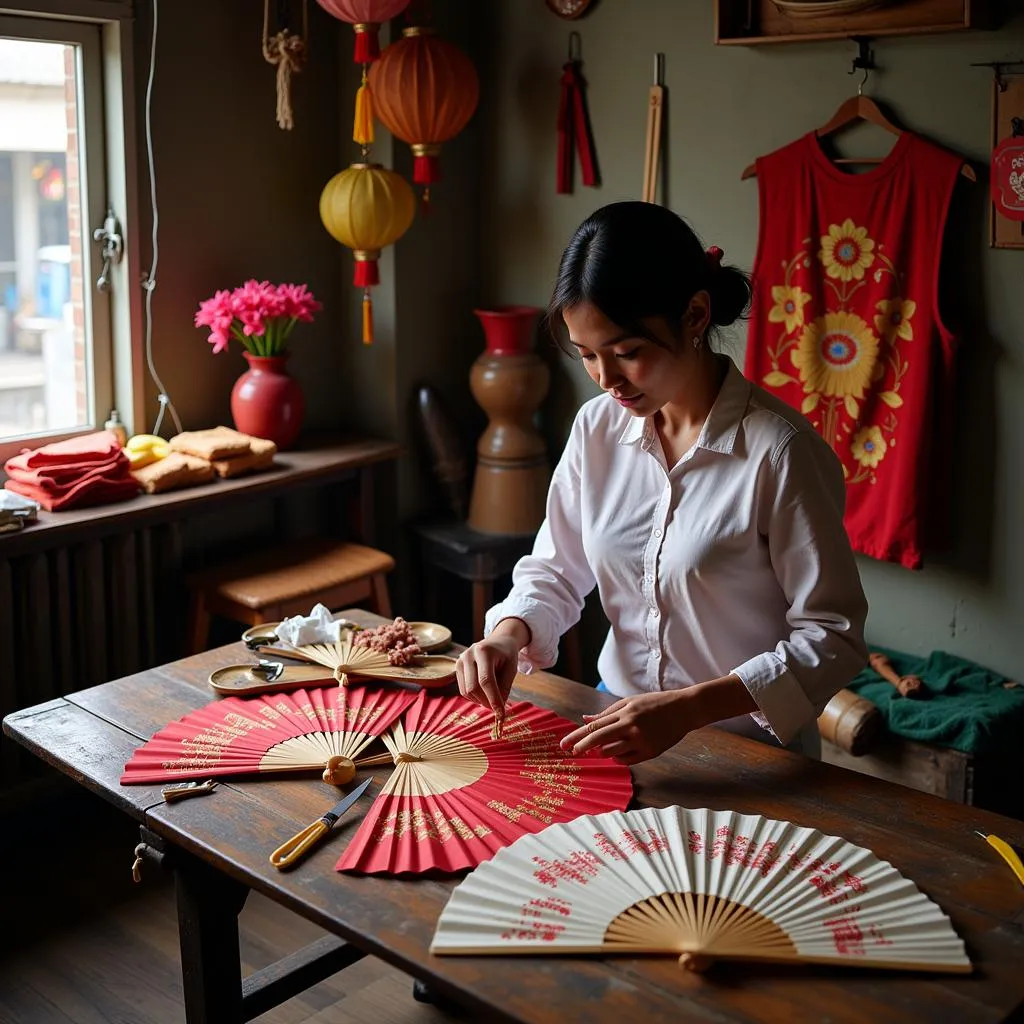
259, 314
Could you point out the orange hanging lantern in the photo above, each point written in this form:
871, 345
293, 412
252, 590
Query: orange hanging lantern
425, 90
365, 17
366, 207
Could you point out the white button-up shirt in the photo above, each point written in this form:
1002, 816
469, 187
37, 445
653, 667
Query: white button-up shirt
734, 560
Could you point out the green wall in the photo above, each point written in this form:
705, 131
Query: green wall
726, 106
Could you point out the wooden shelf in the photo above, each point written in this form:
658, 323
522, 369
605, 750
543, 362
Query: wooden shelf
753, 22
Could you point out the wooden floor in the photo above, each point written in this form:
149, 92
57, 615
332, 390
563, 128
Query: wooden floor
80, 943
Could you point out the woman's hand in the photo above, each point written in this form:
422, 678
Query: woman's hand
486, 671
635, 729
638, 728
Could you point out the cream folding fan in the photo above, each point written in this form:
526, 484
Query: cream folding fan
345, 660
700, 885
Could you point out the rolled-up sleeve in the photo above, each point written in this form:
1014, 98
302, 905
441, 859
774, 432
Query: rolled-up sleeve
550, 584
803, 502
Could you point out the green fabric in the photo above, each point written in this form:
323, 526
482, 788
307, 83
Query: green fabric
967, 708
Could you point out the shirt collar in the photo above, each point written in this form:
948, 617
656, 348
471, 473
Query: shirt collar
723, 423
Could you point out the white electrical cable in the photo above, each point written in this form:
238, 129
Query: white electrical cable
149, 281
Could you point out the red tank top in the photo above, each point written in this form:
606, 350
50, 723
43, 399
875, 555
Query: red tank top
845, 327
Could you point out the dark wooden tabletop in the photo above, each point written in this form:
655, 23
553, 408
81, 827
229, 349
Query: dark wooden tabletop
91, 734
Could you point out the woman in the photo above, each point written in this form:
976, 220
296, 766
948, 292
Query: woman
708, 514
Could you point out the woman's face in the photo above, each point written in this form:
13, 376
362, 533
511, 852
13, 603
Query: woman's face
640, 375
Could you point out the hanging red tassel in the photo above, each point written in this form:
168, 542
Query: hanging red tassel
426, 167
574, 127
367, 43
365, 274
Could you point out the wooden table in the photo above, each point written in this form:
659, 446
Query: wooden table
218, 846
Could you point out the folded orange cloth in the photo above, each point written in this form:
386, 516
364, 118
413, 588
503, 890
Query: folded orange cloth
97, 491
260, 455
174, 471
216, 443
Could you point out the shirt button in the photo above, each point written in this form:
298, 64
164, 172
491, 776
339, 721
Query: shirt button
655, 612
657, 533
656, 655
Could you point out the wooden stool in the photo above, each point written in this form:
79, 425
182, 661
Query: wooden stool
274, 583
483, 558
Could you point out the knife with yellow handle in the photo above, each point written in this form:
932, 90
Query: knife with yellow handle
1007, 852
299, 845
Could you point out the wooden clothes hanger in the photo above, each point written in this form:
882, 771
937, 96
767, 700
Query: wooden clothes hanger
859, 108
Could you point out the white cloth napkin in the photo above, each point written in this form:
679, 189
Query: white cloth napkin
318, 627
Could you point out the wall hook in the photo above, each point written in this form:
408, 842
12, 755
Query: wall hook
864, 61
575, 47
1001, 67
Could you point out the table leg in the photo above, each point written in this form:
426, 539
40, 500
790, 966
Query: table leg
208, 907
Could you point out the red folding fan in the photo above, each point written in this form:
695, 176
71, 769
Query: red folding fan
276, 732
458, 795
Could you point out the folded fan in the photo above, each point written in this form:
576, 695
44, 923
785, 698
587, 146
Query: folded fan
699, 885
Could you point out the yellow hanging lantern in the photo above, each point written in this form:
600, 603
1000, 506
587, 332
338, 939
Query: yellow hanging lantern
366, 207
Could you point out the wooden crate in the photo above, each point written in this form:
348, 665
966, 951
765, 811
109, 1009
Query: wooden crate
749, 22
990, 781
936, 770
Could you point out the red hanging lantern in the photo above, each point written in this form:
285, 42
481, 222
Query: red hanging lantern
365, 17
425, 90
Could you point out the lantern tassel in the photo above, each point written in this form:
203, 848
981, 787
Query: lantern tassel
367, 317
362, 127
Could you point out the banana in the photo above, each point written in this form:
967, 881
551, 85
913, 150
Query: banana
145, 449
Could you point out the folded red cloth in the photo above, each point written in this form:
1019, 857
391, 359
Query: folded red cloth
83, 495
60, 483
86, 448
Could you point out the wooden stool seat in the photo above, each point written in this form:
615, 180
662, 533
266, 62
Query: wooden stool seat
276, 582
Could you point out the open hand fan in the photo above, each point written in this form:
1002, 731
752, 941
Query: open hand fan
298, 731
345, 660
458, 794
700, 885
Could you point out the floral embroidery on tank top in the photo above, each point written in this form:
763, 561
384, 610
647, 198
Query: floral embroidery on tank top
839, 359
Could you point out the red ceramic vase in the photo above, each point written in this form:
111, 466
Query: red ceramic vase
266, 402
508, 330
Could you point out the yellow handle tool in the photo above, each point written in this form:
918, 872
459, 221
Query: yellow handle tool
1007, 852
299, 845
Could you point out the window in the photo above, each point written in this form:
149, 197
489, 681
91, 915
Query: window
56, 342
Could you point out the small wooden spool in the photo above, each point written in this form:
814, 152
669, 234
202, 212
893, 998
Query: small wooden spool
851, 723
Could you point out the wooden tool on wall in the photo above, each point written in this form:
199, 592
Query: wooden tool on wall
652, 153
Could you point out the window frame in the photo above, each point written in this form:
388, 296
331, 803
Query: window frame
102, 29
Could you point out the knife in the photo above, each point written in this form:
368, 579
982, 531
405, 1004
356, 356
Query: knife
299, 845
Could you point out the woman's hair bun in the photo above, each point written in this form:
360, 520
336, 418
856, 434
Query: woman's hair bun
731, 295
